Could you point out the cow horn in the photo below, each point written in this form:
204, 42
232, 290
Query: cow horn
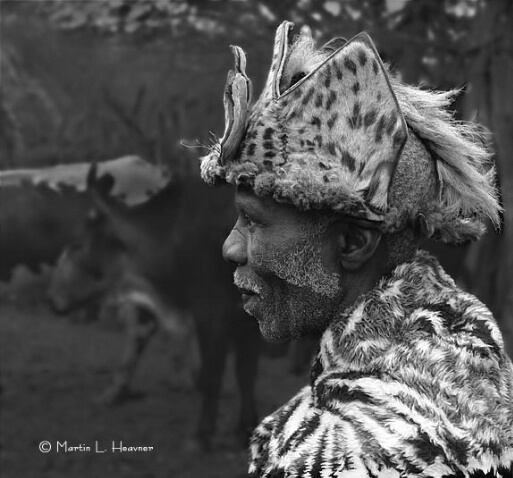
100, 188
92, 175
102, 184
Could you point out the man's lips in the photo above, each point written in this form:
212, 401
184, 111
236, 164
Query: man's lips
247, 295
246, 292
247, 287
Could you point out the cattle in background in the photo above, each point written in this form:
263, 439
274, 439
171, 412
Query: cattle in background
171, 244
39, 208
96, 270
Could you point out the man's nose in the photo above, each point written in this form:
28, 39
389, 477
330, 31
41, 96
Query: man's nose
234, 248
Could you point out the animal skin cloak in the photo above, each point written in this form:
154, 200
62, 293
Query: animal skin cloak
412, 381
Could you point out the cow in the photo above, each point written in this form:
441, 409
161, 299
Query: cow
171, 244
122, 296
39, 208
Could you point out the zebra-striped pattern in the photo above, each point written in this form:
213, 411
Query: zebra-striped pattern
413, 381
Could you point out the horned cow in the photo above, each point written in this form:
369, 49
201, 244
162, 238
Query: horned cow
39, 208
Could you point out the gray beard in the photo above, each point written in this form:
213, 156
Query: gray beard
298, 297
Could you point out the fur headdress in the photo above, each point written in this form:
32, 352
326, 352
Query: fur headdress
332, 129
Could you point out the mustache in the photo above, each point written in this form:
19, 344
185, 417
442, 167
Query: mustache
244, 282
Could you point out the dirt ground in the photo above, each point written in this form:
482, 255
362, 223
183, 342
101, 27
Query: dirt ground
51, 371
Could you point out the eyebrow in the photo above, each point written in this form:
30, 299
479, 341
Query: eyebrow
249, 206
245, 207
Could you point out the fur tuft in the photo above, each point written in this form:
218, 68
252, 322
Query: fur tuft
302, 58
463, 162
210, 166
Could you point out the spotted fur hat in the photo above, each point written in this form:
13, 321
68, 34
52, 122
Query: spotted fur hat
333, 129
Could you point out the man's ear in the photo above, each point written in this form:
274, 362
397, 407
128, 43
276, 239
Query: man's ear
354, 243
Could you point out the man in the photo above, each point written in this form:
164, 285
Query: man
339, 171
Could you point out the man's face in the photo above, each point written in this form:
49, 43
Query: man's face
282, 270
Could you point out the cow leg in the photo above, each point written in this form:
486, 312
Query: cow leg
185, 358
213, 347
247, 347
140, 325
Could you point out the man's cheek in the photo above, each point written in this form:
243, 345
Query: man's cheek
265, 263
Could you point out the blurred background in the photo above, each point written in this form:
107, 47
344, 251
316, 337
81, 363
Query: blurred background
97, 80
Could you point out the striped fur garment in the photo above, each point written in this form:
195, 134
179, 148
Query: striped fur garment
412, 381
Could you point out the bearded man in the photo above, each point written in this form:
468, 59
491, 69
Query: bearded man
340, 170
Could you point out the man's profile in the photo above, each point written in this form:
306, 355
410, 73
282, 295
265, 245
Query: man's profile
339, 171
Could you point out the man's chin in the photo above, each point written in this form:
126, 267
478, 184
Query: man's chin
270, 330
249, 303
273, 337
267, 324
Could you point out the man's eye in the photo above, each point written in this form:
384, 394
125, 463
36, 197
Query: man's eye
250, 223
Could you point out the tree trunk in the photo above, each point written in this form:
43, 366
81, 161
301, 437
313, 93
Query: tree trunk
502, 125
491, 79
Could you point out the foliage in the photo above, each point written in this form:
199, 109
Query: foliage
433, 35
132, 16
